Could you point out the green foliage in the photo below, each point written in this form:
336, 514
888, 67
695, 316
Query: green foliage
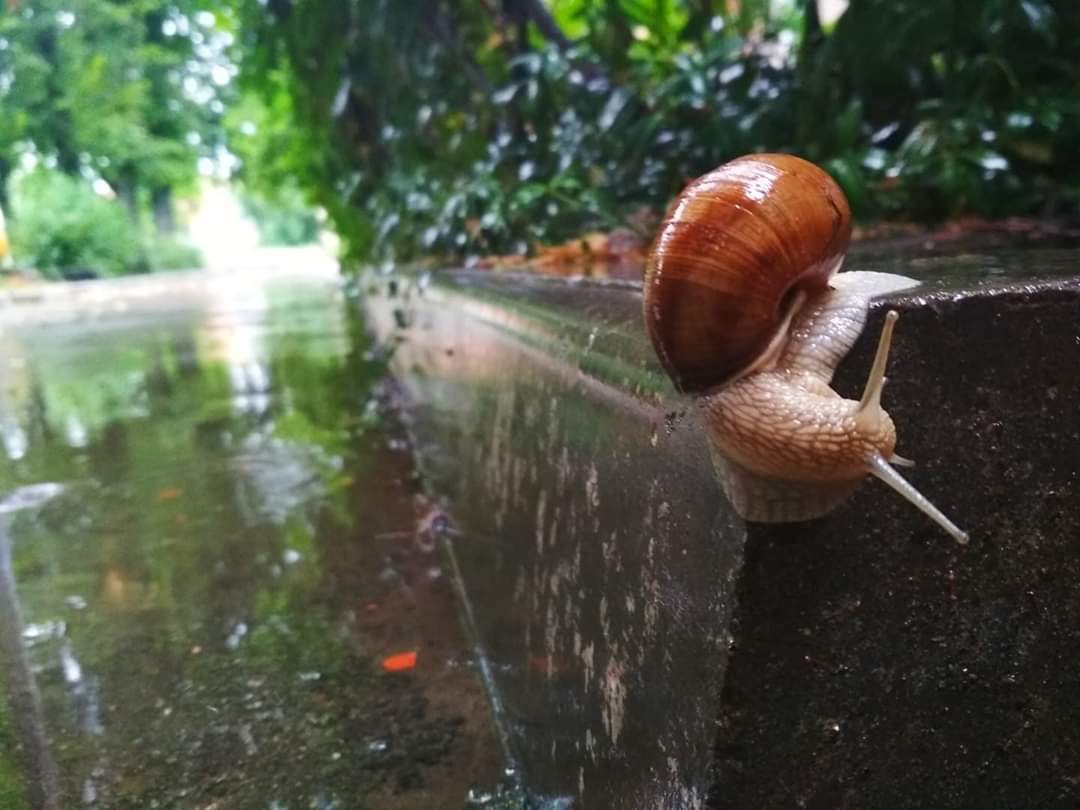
476, 127
131, 91
948, 108
66, 226
273, 167
480, 126
284, 220
12, 789
172, 253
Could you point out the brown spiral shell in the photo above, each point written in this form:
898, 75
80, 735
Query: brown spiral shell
732, 249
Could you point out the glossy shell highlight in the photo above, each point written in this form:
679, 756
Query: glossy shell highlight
732, 249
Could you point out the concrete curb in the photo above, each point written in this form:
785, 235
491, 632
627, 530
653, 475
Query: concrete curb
652, 651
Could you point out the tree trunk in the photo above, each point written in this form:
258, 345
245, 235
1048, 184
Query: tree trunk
812, 33
545, 23
521, 12
5, 199
444, 29
126, 186
164, 213
811, 77
700, 20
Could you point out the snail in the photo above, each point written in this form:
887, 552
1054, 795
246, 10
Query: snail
745, 307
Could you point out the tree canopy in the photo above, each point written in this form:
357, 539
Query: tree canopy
468, 127
429, 126
129, 91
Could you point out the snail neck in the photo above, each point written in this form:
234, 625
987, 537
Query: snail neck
823, 333
777, 346
781, 419
817, 330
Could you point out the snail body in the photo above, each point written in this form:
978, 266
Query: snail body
745, 307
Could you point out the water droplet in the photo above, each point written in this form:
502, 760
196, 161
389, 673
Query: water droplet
238, 632
43, 631
70, 666
504, 94
731, 73
1020, 120
611, 110
29, 497
874, 160
479, 797
341, 98
885, 132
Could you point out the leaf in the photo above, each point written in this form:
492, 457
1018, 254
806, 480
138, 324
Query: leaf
1040, 15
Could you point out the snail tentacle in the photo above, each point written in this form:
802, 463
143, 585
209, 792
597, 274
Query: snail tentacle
869, 413
880, 469
868, 416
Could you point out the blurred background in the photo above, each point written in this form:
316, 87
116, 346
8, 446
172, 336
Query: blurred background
143, 135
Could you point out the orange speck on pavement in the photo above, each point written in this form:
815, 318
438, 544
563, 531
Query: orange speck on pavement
400, 662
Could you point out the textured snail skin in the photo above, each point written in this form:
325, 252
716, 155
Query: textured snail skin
785, 424
785, 446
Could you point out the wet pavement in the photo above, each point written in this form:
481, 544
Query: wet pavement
217, 600
214, 547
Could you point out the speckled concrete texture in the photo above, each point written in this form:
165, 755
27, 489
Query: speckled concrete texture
876, 664
593, 556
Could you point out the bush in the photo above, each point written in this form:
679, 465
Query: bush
173, 253
283, 220
472, 127
60, 224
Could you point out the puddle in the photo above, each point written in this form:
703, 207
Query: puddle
224, 588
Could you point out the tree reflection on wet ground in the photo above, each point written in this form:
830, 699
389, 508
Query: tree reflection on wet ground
220, 608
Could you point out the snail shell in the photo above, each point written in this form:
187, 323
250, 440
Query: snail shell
729, 256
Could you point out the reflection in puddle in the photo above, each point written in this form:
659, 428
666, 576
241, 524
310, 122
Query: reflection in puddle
206, 608
42, 791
